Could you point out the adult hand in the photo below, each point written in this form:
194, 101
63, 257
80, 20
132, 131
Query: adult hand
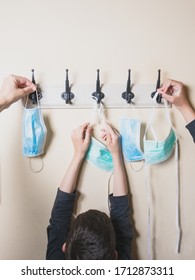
14, 88
174, 92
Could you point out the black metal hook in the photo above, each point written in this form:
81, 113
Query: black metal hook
37, 92
98, 95
158, 84
128, 95
67, 95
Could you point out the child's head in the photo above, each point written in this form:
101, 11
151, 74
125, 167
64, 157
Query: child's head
91, 237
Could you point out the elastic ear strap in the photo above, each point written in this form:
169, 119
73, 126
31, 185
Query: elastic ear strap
102, 117
134, 110
109, 180
38, 101
148, 195
94, 117
140, 168
149, 124
168, 114
178, 227
27, 97
38, 170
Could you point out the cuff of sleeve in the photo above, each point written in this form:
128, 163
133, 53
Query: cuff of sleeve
119, 199
191, 127
66, 196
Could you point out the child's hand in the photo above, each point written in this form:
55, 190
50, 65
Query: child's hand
81, 138
111, 138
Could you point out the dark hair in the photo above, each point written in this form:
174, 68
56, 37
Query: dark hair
91, 237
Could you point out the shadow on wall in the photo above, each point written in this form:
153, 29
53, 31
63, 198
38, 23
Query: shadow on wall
50, 133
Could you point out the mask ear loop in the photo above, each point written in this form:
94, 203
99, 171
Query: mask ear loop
147, 180
109, 180
148, 195
36, 170
140, 168
178, 225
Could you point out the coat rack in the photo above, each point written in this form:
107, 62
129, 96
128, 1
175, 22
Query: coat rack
111, 95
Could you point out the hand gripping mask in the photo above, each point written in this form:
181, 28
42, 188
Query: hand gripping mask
130, 139
99, 155
34, 131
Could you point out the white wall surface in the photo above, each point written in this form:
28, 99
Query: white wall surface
84, 35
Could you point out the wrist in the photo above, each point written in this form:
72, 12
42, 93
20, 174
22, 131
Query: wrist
78, 157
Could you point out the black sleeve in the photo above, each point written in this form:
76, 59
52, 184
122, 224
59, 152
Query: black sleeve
120, 216
191, 127
59, 224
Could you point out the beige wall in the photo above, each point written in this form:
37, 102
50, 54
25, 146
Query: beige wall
84, 35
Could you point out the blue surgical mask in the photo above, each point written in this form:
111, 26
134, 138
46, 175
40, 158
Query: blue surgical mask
99, 155
34, 132
130, 139
156, 151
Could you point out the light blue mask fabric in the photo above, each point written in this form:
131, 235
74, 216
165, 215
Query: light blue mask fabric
34, 132
130, 139
158, 151
99, 155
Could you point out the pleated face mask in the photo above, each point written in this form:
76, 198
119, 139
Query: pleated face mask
156, 151
34, 132
130, 139
99, 155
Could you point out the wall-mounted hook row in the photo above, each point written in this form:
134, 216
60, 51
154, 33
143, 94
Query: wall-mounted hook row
137, 94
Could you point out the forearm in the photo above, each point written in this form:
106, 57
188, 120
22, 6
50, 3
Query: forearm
188, 113
120, 179
68, 183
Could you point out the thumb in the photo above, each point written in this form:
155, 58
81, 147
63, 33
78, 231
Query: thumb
28, 89
87, 135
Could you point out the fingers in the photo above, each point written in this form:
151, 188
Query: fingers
169, 85
22, 82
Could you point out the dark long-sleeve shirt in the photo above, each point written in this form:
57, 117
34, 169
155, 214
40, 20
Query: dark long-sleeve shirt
60, 221
191, 127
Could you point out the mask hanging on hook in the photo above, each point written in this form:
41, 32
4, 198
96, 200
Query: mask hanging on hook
34, 132
155, 94
36, 95
98, 154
